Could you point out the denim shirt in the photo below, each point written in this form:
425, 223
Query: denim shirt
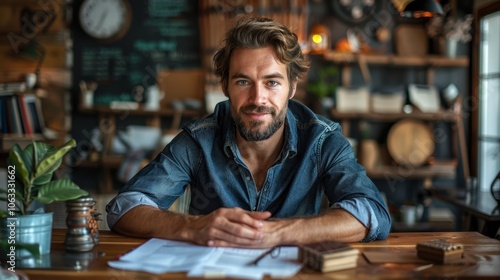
316, 160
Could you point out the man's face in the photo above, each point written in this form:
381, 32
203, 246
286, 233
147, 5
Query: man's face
258, 89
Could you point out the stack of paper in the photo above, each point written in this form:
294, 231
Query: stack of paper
162, 256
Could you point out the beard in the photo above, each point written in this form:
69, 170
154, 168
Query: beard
254, 130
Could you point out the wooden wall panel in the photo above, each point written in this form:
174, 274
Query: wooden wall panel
23, 22
55, 56
28, 17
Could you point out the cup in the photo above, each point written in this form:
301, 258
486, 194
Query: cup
450, 94
88, 99
30, 80
471, 189
408, 214
153, 98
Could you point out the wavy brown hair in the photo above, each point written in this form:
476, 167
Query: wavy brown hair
258, 32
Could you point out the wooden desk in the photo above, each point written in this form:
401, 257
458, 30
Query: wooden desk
481, 206
483, 249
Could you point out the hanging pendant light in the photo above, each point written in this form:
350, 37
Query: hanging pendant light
422, 9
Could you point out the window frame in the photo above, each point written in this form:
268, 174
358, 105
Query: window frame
476, 78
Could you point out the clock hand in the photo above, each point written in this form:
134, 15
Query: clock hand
103, 18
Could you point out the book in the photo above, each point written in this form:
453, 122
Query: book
25, 117
328, 256
15, 116
33, 114
35, 107
4, 117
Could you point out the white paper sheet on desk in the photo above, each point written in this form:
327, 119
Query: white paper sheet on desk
233, 262
161, 256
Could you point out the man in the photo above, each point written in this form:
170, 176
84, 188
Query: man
259, 166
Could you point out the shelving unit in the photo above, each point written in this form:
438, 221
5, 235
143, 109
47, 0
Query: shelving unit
445, 169
437, 169
28, 121
109, 162
365, 60
395, 60
41, 47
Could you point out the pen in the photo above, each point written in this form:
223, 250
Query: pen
263, 255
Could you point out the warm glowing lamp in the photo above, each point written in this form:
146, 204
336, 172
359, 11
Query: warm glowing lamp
319, 38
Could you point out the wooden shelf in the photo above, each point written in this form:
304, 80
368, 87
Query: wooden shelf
427, 171
8, 140
443, 115
101, 109
395, 60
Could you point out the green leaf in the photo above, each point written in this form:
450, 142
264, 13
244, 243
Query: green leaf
15, 155
44, 179
27, 155
43, 150
51, 162
16, 203
34, 249
19, 196
59, 190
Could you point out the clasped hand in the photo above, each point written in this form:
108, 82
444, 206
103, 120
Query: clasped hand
231, 227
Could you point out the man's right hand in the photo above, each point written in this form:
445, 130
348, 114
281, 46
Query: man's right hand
227, 227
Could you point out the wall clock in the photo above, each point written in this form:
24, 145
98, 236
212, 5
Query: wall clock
355, 11
105, 20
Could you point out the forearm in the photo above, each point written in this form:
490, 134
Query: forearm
149, 221
334, 224
223, 227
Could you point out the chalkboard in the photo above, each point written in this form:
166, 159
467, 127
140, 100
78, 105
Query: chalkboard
164, 34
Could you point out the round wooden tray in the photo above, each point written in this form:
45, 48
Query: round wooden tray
410, 142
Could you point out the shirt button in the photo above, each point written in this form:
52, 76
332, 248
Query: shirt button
248, 178
255, 208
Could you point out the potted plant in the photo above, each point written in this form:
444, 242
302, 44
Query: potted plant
30, 178
448, 30
324, 87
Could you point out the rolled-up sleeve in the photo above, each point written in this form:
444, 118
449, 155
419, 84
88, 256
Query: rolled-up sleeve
363, 211
122, 203
348, 187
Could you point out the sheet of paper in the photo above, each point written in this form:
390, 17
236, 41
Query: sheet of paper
161, 256
233, 262
174, 255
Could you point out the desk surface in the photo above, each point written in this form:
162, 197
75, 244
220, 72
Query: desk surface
483, 250
482, 204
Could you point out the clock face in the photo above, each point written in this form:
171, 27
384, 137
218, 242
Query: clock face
355, 11
105, 20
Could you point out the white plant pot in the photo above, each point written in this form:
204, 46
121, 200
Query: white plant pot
28, 229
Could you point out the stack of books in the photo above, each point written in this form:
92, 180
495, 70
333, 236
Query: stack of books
328, 256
